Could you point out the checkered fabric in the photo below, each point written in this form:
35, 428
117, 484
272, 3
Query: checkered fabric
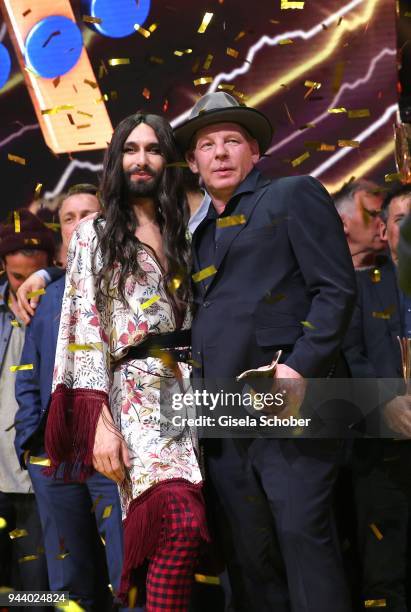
171, 568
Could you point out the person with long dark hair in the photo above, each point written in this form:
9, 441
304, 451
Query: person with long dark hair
126, 304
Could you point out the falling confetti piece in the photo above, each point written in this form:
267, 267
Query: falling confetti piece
208, 61
146, 93
32, 294
299, 160
132, 597
326, 147
307, 324
84, 113
43, 461
239, 35
205, 23
204, 273
375, 275
338, 76
339, 109
153, 27
376, 531
18, 368
17, 159
86, 144
3, 523
286, 4
312, 84
375, 603
232, 52
226, 87
69, 606
26, 13
62, 556
287, 110
17, 225
175, 283
306, 126
273, 299
37, 190
56, 109
390, 178
15, 323
149, 302
118, 61
93, 346
286, 41
70, 118
90, 19
83, 125
206, 579
203, 81
53, 226
28, 558
156, 60
232, 220
107, 512
102, 70
141, 30
348, 143
92, 84
358, 114
384, 314
17, 533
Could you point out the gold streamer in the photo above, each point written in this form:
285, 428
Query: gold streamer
232, 220
204, 273
149, 302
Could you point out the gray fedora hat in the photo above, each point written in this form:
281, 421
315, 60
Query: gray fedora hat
220, 107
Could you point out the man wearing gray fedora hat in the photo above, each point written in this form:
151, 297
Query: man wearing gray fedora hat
275, 273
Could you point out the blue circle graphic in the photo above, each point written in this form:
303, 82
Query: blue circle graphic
117, 16
53, 46
5, 65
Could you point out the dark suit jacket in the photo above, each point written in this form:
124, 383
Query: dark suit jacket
288, 263
404, 255
33, 387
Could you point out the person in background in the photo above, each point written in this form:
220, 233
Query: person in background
359, 204
26, 245
69, 511
381, 467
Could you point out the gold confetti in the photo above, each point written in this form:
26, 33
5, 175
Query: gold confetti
375, 603
84, 113
339, 109
93, 346
306, 126
17, 533
90, 19
17, 225
286, 41
226, 87
390, 178
175, 283
312, 84
118, 61
53, 226
83, 125
18, 368
107, 512
69, 606
35, 293
384, 314
102, 70
179, 53
205, 23
232, 52
299, 160
326, 147
232, 220
358, 114
95, 503
208, 61
375, 275
286, 4
156, 60
307, 324
204, 273
132, 597
149, 302
338, 76
37, 190
239, 35
3, 523
92, 84
376, 531
62, 556
17, 159
141, 30
56, 109
153, 27
348, 143
44, 461
28, 558
15, 323
146, 93
273, 299
203, 81
86, 144
206, 579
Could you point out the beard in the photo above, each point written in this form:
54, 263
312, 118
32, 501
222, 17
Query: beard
142, 189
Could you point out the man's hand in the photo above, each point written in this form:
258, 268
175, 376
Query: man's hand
110, 453
293, 386
397, 415
27, 306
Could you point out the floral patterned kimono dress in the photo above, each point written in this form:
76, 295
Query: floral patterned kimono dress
91, 368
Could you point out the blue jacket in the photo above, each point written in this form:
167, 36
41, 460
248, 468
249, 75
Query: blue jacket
33, 387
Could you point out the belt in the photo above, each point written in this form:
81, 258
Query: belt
177, 344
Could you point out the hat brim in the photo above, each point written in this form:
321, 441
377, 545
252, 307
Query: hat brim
251, 119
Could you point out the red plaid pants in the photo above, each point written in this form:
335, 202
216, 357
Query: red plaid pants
171, 568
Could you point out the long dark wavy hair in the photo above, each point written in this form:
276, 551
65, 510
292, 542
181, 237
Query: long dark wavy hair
116, 240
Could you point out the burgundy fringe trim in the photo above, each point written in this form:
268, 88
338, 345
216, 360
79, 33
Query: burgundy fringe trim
70, 430
143, 525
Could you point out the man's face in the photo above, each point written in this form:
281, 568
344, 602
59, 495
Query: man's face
223, 155
73, 209
398, 209
18, 267
143, 162
363, 226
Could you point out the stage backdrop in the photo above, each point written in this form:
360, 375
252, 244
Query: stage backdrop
324, 72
